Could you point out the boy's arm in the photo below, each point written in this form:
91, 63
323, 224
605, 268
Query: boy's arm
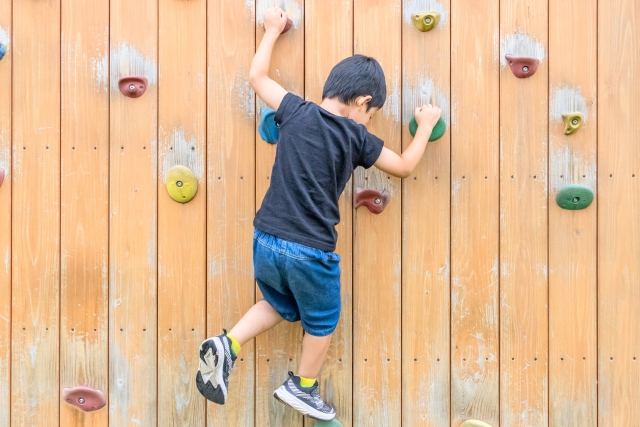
266, 88
402, 165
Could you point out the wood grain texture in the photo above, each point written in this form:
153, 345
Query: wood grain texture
377, 238
85, 205
475, 204
182, 106
523, 226
5, 215
572, 234
278, 350
619, 210
425, 228
328, 40
133, 213
231, 195
36, 214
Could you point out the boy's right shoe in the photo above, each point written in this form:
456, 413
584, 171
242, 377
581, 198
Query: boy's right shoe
216, 361
304, 400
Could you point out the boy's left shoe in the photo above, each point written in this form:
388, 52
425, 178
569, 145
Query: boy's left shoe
216, 362
304, 400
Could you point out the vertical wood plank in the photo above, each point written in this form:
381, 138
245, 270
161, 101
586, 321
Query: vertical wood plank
572, 234
377, 238
85, 205
619, 210
181, 227
5, 215
523, 222
475, 212
328, 40
425, 249
231, 194
278, 349
133, 228
36, 214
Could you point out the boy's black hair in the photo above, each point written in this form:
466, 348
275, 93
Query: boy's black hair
355, 76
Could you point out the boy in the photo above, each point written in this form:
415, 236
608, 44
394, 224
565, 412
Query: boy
294, 238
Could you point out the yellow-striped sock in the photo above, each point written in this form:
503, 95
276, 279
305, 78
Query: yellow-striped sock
307, 382
235, 345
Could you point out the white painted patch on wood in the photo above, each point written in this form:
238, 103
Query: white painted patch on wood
568, 168
392, 104
566, 100
100, 70
184, 153
520, 44
243, 96
4, 38
294, 12
423, 91
415, 6
127, 61
5, 155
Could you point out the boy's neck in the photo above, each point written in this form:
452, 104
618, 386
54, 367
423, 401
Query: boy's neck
335, 107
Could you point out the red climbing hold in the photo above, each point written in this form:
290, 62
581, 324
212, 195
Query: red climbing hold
133, 86
373, 200
287, 26
84, 398
1, 177
523, 66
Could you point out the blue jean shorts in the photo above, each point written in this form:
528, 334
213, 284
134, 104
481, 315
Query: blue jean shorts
299, 282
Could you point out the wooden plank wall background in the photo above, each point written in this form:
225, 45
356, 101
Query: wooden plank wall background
472, 296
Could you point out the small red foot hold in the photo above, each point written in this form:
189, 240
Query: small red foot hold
84, 398
133, 86
373, 200
522, 66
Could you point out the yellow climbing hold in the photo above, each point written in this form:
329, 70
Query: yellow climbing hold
182, 184
572, 123
474, 423
425, 21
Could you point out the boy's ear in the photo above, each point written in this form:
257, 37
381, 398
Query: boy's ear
363, 101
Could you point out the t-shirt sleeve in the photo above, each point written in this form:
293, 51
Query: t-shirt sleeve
288, 106
371, 149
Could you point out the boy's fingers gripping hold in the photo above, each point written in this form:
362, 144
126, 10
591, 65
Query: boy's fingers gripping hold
275, 20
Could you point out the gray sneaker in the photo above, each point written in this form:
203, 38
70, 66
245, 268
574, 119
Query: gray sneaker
216, 361
304, 400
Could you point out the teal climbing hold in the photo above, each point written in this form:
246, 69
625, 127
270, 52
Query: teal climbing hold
436, 133
268, 129
574, 197
333, 423
3, 50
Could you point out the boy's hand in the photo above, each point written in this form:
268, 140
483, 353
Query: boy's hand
427, 115
274, 20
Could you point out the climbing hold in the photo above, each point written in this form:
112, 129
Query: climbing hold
287, 26
1, 176
133, 86
3, 51
572, 122
474, 423
523, 66
436, 132
334, 422
268, 129
182, 184
84, 398
574, 197
373, 200
425, 21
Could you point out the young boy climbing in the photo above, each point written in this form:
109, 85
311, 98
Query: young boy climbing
294, 238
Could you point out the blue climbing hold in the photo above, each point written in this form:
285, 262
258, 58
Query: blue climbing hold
268, 129
3, 50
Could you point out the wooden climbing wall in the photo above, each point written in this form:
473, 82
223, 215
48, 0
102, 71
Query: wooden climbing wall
472, 296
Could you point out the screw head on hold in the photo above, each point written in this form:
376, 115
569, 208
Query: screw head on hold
179, 183
574, 122
416, 17
576, 199
377, 201
132, 88
525, 69
427, 20
81, 400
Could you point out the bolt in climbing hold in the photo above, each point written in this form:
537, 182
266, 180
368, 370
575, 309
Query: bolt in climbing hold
436, 133
474, 423
182, 184
133, 86
84, 398
574, 197
572, 122
3, 51
373, 200
426, 21
268, 129
522, 66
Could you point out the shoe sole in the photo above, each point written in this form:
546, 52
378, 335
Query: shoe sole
285, 397
213, 344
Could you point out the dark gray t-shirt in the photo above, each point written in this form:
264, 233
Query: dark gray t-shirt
317, 152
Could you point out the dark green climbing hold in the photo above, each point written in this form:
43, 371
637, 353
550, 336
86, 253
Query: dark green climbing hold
436, 133
574, 197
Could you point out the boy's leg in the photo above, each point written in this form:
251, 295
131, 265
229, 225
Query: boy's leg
260, 318
314, 352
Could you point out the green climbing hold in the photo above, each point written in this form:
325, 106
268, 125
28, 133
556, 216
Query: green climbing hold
333, 423
436, 133
574, 197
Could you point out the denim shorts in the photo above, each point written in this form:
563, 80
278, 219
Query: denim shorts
299, 282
